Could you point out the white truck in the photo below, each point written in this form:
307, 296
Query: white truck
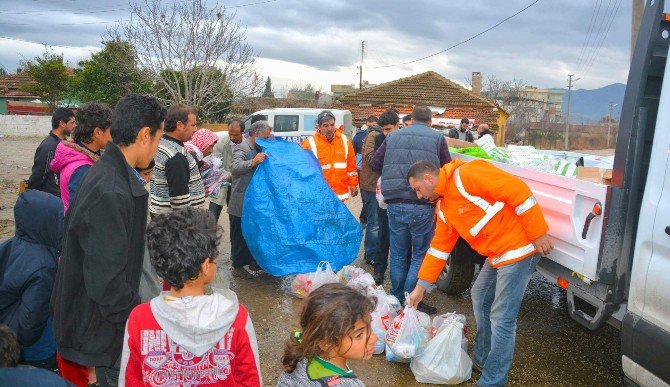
612, 242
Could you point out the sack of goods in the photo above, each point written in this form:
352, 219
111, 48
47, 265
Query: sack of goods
349, 272
405, 338
382, 317
300, 285
445, 359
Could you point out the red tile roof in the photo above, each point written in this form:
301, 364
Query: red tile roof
10, 85
428, 89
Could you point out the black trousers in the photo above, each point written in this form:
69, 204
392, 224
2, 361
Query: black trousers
383, 244
239, 251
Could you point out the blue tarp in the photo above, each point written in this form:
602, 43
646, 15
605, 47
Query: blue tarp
291, 219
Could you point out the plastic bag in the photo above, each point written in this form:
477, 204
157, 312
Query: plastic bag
379, 196
405, 337
349, 272
424, 322
444, 361
364, 284
379, 330
298, 285
291, 218
394, 303
324, 274
441, 321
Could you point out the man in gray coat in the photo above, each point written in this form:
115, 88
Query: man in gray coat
246, 156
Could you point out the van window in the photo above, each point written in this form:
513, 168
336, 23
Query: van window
286, 123
309, 125
247, 124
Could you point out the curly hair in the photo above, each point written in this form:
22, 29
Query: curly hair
179, 242
10, 349
134, 112
89, 116
328, 314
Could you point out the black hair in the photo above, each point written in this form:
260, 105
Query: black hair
406, 118
179, 242
60, 114
325, 115
89, 116
132, 113
422, 114
420, 168
240, 122
465, 121
255, 118
177, 113
372, 119
389, 117
10, 349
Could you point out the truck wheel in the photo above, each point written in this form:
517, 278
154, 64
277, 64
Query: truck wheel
456, 278
458, 273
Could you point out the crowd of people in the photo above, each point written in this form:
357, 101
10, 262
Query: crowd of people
81, 280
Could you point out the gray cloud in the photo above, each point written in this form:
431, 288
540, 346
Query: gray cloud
540, 45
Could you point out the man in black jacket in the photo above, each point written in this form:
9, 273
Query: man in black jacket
42, 178
98, 279
463, 132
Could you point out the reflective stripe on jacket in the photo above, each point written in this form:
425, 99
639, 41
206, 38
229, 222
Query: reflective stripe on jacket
494, 211
337, 160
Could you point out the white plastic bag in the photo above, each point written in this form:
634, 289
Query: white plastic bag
405, 337
324, 275
444, 361
349, 272
379, 196
441, 321
364, 284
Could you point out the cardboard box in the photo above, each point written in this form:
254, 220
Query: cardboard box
596, 175
455, 143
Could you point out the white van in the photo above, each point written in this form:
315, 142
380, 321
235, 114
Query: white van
296, 124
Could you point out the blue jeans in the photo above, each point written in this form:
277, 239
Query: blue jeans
411, 227
496, 299
372, 225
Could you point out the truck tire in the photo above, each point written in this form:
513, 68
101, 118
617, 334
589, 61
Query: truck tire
460, 270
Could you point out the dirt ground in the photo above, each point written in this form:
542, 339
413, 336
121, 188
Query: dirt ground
551, 349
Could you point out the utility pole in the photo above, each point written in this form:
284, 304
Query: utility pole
567, 121
609, 123
360, 67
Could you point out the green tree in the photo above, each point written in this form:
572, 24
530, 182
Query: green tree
267, 93
110, 74
50, 76
3, 72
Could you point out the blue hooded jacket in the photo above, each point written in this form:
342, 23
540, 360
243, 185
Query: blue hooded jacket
28, 265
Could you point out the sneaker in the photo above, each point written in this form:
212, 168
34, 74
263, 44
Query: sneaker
243, 272
379, 279
368, 261
253, 266
425, 308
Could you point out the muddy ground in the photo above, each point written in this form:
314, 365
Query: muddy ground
551, 349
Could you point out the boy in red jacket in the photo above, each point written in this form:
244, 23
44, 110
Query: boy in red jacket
184, 337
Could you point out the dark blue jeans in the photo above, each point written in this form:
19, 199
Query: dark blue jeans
372, 225
411, 227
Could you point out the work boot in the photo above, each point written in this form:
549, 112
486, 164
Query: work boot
425, 308
243, 272
379, 279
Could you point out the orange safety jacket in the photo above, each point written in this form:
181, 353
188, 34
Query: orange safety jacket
494, 211
337, 160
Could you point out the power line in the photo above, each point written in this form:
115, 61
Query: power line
599, 31
461, 42
587, 37
602, 39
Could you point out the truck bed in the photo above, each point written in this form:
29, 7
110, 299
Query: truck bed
566, 203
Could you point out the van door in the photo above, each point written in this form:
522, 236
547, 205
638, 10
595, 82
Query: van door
308, 125
286, 127
645, 334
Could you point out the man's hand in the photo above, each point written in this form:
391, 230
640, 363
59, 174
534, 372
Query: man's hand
258, 159
416, 296
353, 191
543, 245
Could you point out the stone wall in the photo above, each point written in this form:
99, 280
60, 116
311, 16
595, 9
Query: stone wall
25, 126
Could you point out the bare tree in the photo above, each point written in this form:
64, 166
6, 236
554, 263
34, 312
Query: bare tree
194, 53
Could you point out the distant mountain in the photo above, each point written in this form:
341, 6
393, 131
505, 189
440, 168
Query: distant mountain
589, 106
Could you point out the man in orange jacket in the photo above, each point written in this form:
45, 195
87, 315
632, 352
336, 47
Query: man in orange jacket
335, 154
497, 214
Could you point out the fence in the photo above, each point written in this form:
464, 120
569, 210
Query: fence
27, 126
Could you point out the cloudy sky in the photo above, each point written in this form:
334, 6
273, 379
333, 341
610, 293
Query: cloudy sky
318, 42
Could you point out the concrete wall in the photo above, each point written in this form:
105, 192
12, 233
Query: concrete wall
28, 126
